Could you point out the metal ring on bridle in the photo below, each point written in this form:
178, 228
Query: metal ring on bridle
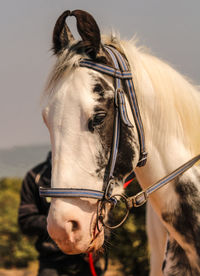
101, 217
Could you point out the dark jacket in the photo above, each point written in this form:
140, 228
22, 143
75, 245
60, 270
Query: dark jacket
33, 212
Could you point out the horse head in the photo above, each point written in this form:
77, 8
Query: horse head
80, 113
93, 116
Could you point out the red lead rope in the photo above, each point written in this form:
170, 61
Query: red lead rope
127, 183
91, 263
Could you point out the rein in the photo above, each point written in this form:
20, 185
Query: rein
140, 198
123, 79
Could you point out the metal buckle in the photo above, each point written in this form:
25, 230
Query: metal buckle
137, 200
109, 188
143, 159
138, 197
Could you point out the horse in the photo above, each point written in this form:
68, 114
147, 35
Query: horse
79, 106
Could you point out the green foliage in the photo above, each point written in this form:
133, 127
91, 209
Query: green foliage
129, 242
15, 249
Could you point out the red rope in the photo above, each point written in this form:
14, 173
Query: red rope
127, 183
91, 263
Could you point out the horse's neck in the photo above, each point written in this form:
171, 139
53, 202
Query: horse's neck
170, 125
165, 154
162, 161
166, 149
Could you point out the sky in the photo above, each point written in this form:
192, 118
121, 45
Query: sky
170, 29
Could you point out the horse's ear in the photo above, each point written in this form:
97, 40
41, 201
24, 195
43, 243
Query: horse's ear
62, 35
89, 32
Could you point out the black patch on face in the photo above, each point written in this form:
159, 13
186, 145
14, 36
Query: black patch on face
100, 88
163, 265
105, 132
125, 152
185, 217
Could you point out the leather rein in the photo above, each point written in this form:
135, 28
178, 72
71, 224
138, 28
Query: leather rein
123, 78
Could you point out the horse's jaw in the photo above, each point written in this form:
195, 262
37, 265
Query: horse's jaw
73, 228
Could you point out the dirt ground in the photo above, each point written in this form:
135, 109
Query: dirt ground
113, 270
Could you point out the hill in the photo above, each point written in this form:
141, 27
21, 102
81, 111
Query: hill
16, 161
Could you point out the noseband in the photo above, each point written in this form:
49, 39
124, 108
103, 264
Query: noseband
123, 80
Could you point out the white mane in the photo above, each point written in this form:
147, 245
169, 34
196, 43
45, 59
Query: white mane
166, 98
171, 105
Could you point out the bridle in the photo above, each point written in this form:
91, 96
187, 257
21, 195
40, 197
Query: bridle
122, 77
123, 80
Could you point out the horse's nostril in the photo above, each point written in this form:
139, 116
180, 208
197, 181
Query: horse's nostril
74, 225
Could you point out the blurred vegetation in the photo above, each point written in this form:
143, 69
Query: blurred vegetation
16, 250
128, 243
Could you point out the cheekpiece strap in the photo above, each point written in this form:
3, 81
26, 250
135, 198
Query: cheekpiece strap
124, 66
122, 108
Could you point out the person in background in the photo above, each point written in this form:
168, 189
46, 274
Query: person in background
32, 214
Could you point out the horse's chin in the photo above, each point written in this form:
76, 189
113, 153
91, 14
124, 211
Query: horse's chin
96, 243
81, 247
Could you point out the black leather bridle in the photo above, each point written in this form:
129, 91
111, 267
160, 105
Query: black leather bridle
123, 79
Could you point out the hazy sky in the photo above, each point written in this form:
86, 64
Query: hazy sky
170, 28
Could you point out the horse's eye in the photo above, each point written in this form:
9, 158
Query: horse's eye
98, 118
